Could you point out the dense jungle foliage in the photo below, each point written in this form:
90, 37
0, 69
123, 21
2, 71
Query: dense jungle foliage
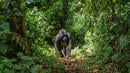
99, 29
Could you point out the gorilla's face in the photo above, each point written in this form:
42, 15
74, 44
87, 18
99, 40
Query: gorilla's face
63, 32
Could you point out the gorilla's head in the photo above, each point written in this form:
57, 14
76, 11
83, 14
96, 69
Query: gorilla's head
63, 32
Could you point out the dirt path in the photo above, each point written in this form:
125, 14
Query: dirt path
71, 65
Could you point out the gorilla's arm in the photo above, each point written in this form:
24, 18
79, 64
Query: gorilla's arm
68, 47
58, 36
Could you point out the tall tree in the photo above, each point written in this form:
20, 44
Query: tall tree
16, 21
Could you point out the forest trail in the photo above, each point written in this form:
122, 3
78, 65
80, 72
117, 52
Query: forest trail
71, 65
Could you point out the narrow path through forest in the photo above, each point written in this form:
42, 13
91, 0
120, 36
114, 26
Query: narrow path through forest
71, 65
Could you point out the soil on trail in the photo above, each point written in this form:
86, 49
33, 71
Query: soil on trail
71, 65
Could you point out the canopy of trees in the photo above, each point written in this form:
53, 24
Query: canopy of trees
99, 29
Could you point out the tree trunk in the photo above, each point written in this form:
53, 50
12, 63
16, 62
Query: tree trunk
16, 21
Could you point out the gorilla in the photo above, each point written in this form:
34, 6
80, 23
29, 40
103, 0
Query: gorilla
63, 43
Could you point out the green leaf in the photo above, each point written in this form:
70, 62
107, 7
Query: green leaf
26, 58
5, 26
19, 54
8, 70
128, 64
18, 13
7, 2
106, 51
128, 70
2, 16
123, 41
116, 57
18, 66
1, 66
34, 69
3, 48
